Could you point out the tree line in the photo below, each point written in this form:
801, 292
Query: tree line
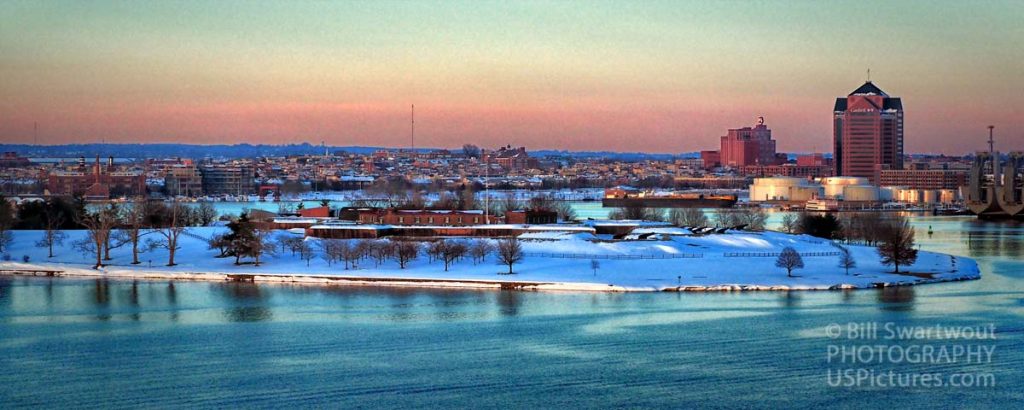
247, 243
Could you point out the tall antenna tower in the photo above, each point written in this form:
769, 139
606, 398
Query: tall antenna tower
412, 128
35, 133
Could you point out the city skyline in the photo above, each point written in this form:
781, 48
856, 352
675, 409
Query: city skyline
657, 77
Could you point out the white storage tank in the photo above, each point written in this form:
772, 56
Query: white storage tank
864, 193
909, 196
782, 189
949, 196
834, 186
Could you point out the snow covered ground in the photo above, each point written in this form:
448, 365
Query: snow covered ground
669, 259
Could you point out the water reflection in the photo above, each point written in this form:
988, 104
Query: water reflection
249, 302
6, 286
133, 301
896, 298
509, 302
101, 298
993, 238
790, 299
172, 301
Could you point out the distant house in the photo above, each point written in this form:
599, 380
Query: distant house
393, 216
318, 212
531, 217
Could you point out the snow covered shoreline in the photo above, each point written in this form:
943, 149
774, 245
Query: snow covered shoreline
53, 270
670, 259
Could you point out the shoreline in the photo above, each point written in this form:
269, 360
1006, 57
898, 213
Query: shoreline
32, 270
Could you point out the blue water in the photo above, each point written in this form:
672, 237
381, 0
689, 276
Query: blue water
118, 344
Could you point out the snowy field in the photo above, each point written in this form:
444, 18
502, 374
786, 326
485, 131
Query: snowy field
669, 259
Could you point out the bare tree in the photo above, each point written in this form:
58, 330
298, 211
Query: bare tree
134, 220
846, 260
479, 250
434, 250
205, 214
790, 222
291, 242
405, 252
306, 252
98, 223
451, 251
510, 203
548, 203
691, 217
174, 226
789, 259
220, 243
381, 251
51, 237
445, 200
110, 242
331, 250
6, 222
364, 247
510, 252
350, 253
724, 218
753, 217
637, 213
262, 244
467, 199
52, 234
471, 151
896, 245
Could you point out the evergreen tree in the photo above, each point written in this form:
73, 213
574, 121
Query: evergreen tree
241, 238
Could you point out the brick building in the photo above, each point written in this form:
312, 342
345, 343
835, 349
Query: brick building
711, 159
788, 170
748, 146
922, 178
97, 181
425, 217
511, 159
867, 131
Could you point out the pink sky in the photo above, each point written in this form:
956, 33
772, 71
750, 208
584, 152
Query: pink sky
659, 77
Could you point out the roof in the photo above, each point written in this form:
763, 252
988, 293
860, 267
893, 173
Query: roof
869, 88
889, 103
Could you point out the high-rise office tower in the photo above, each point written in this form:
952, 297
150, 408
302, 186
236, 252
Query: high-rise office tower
867, 132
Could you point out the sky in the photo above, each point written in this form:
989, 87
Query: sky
654, 76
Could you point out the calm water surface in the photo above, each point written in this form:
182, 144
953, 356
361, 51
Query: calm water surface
96, 343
